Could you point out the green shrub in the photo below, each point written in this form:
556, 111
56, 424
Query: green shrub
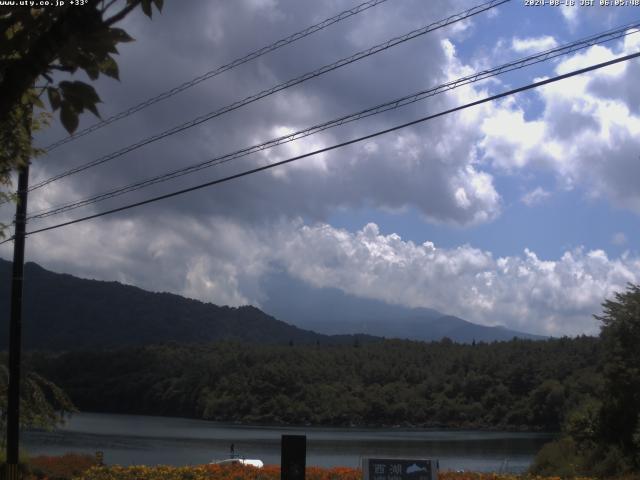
558, 458
610, 462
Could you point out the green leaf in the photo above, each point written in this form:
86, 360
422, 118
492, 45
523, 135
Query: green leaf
87, 92
78, 96
146, 8
68, 56
54, 98
37, 102
93, 70
119, 35
159, 4
68, 117
109, 67
92, 108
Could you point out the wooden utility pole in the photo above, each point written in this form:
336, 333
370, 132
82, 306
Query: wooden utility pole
15, 328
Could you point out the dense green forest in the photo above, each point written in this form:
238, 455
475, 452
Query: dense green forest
520, 384
63, 312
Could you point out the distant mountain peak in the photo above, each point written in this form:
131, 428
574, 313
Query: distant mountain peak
332, 311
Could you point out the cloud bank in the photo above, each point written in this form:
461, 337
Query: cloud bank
224, 262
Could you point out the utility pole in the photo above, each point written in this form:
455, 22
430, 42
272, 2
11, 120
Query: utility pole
15, 329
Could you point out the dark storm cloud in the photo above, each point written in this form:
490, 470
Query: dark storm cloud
190, 38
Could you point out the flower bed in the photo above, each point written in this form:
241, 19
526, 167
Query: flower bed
63, 467
83, 467
269, 472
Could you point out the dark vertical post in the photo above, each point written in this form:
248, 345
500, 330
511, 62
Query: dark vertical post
293, 457
15, 329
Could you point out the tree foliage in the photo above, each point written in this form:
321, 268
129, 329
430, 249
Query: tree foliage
620, 413
42, 403
602, 435
37, 46
58, 308
387, 383
40, 41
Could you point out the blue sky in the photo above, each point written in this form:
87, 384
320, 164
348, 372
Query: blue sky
565, 222
566, 219
522, 212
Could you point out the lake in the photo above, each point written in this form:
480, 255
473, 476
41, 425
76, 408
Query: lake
135, 439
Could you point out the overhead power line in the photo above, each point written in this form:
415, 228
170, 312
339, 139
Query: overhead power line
295, 81
213, 73
339, 145
596, 39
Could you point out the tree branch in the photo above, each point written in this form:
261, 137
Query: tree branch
107, 6
122, 13
41, 54
62, 68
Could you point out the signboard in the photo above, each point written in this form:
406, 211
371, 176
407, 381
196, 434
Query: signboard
293, 457
399, 469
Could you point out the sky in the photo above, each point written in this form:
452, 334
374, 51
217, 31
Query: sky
522, 212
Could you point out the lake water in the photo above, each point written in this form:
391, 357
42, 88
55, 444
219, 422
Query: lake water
134, 439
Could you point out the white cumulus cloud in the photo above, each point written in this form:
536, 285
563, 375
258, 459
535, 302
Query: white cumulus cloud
588, 133
535, 196
525, 292
533, 44
222, 261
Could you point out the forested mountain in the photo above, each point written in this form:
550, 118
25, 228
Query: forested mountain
519, 384
64, 312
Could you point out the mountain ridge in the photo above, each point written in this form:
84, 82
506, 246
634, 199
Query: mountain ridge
331, 311
64, 312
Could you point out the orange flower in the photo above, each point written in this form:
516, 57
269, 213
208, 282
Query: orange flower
82, 467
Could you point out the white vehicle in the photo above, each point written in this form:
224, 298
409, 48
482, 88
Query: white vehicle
235, 459
239, 460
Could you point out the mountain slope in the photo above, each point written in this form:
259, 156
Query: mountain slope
64, 312
331, 311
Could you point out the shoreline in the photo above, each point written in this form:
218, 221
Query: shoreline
346, 426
